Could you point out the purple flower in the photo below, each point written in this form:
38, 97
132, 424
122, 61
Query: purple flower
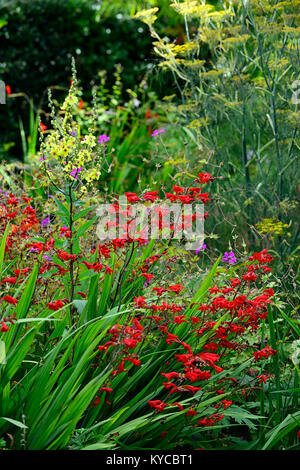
229, 257
158, 131
75, 172
45, 222
47, 258
43, 158
201, 247
103, 138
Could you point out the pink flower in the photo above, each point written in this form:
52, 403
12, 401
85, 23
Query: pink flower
103, 138
158, 131
75, 172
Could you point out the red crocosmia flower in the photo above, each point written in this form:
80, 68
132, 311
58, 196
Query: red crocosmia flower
137, 325
11, 215
194, 190
210, 421
224, 403
4, 328
185, 199
140, 301
170, 375
298, 434
105, 346
176, 288
81, 104
217, 368
235, 282
263, 378
187, 346
147, 276
8, 90
130, 343
26, 199
265, 352
179, 319
159, 290
209, 357
106, 389
108, 270
173, 388
157, 404
95, 402
262, 257
249, 277
205, 178
134, 361
82, 294
150, 196
43, 127
9, 299
214, 290
178, 189
156, 318
56, 305
66, 232
203, 197
195, 319
96, 267
171, 197
177, 404
132, 197
211, 347
191, 388
172, 338
191, 412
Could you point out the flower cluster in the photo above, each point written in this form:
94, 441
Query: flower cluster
233, 310
66, 155
273, 228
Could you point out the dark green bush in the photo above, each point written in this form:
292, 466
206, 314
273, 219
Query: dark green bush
37, 44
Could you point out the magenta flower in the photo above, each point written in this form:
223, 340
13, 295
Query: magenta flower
45, 222
201, 247
103, 138
229, 257
75, 172
158, 131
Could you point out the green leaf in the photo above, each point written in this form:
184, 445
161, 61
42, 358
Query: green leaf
85, 226
15, 422
2, 247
